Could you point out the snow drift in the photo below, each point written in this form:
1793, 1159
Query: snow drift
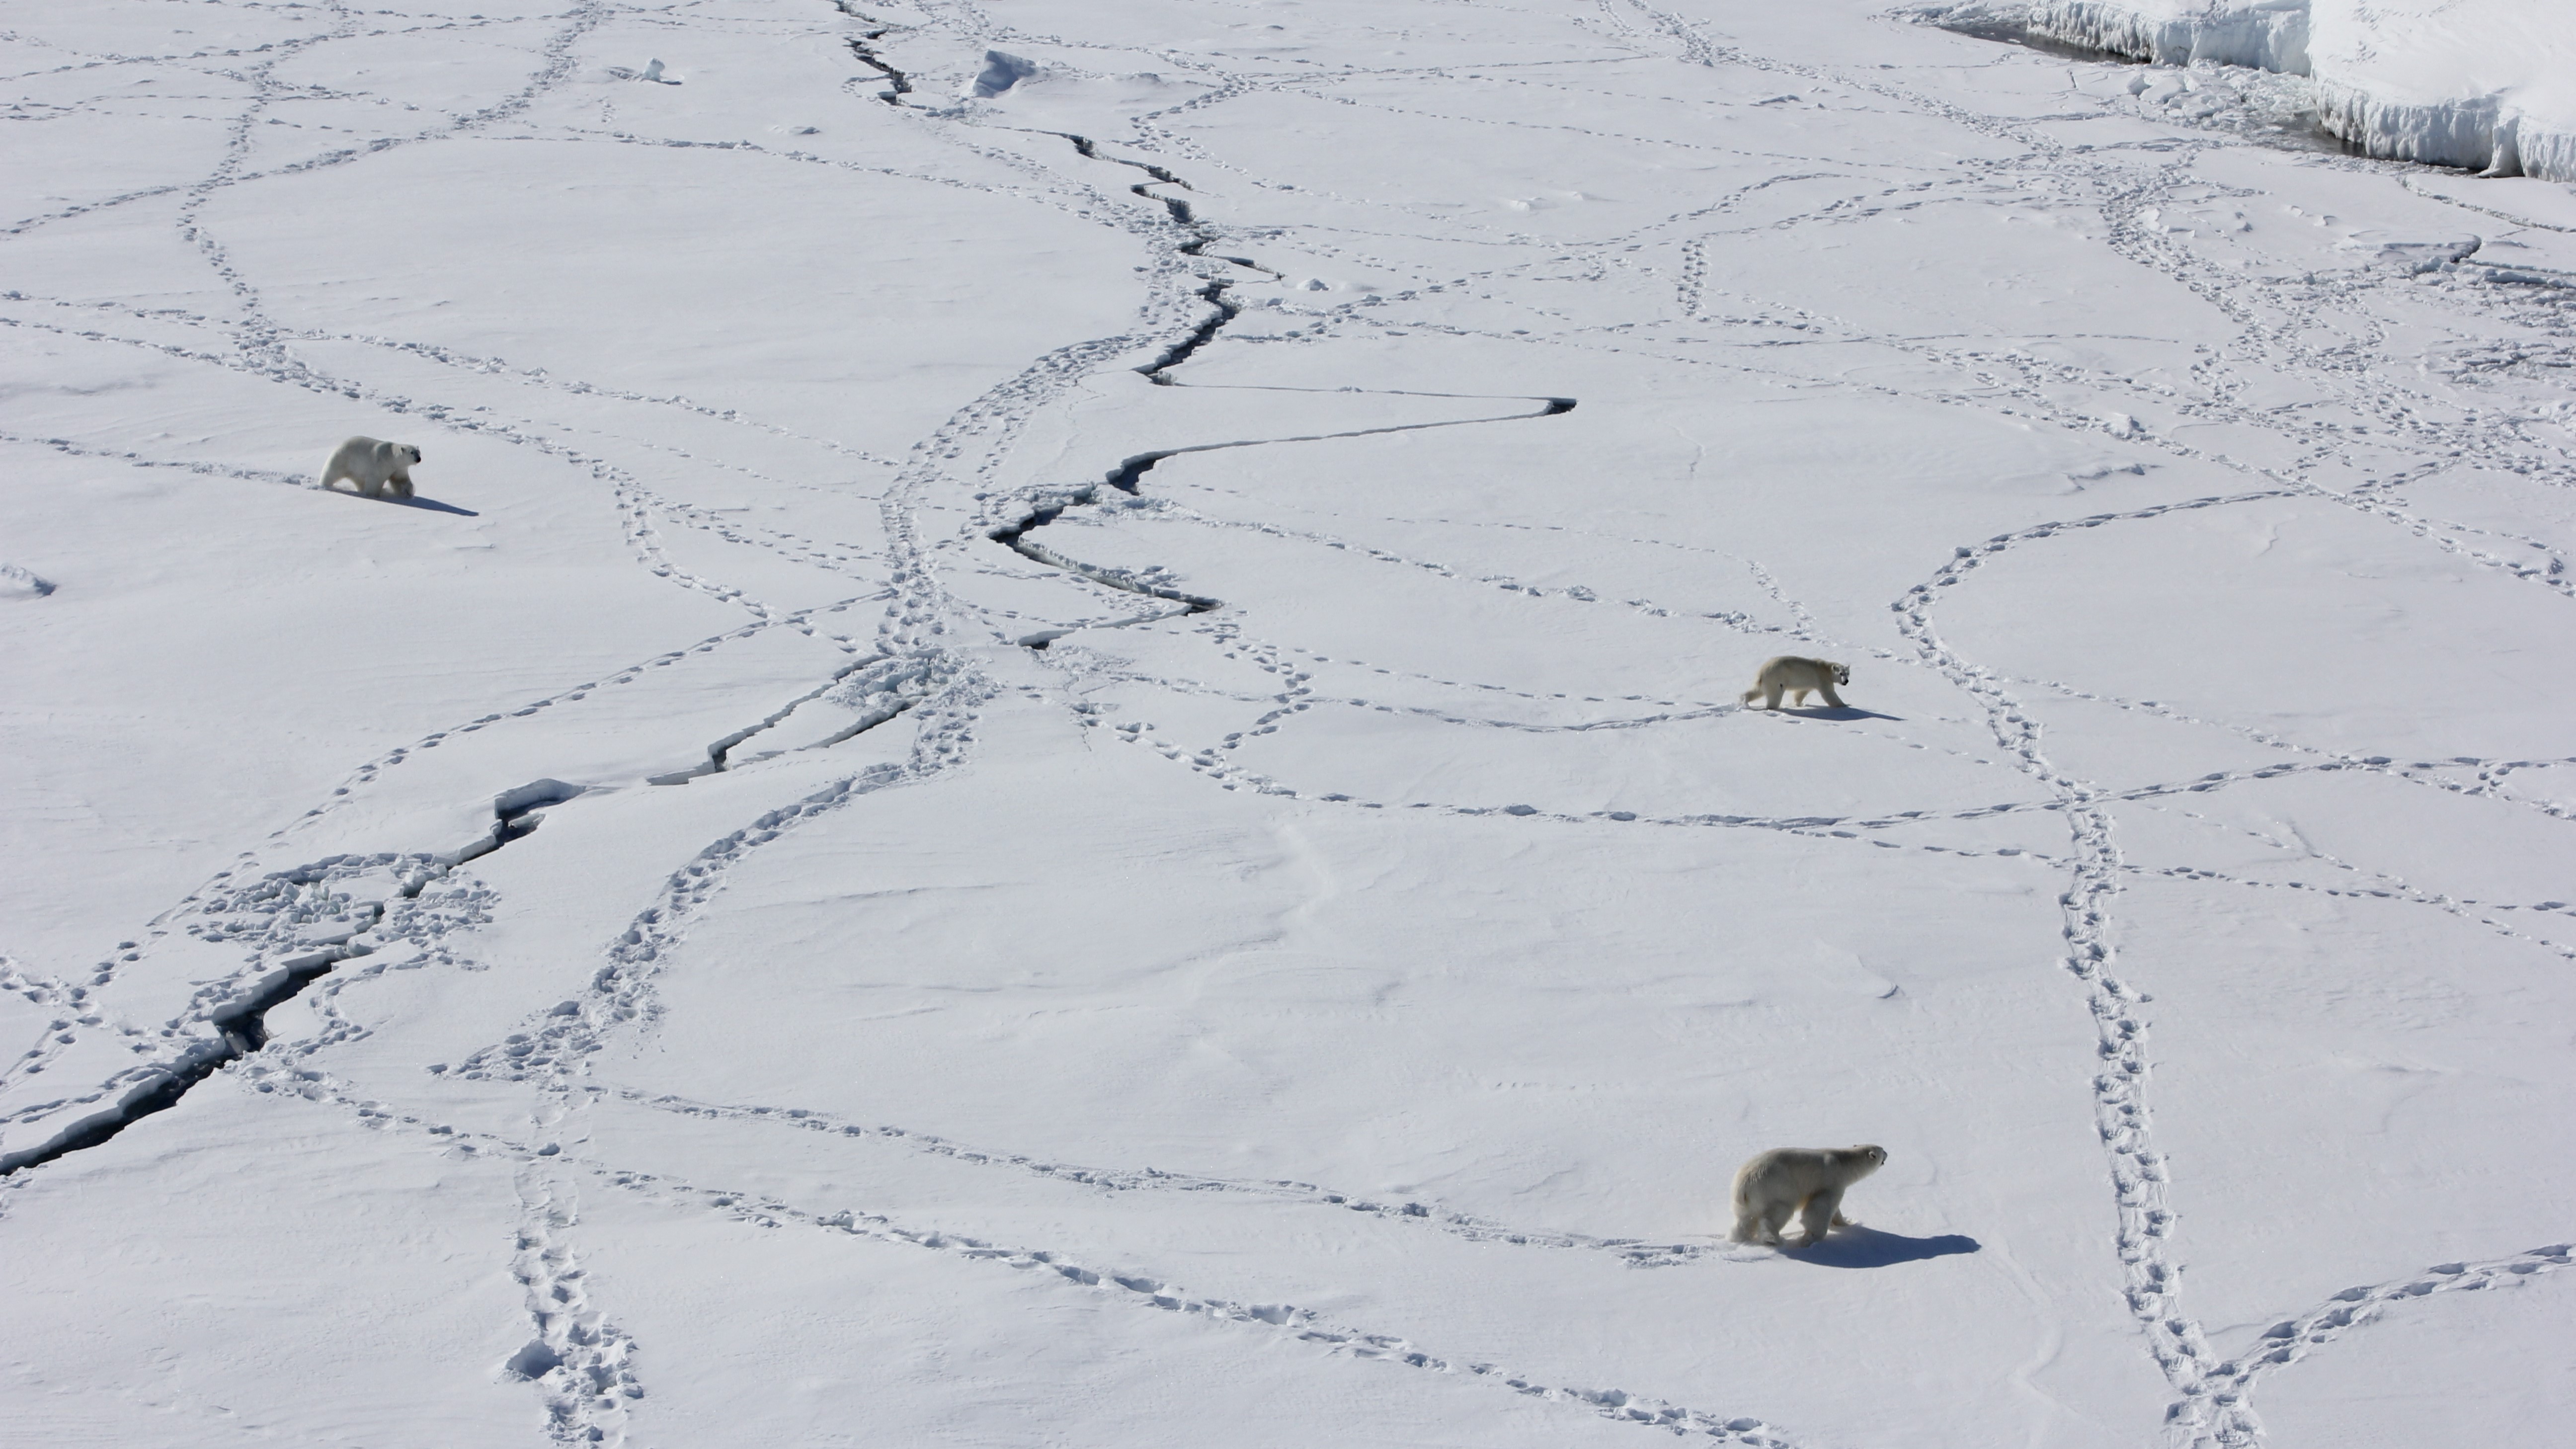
2489, 85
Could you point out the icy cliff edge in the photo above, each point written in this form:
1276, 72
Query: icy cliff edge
2489, 85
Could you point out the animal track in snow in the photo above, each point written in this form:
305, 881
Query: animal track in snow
297, 926
2231, 1383
1145, 1292
582, 1363
909, 662
1408, 1212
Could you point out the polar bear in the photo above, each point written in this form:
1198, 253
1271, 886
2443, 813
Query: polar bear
1797, 676
1805, 1181
376, 467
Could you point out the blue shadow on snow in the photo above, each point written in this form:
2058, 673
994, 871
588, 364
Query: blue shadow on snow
1869, 1248
1822, 711
434, 506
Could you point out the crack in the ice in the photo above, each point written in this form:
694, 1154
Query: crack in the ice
863, 46
234, 1012
1045, 506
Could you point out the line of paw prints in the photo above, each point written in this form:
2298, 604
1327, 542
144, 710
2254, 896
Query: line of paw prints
1735, 619
2551, 565
2491, 782
2177, 1328
1140, 1291
1269, 722
2549, 571
52, 991
401, 910
829, 556
553, 1047
2162, 710
2025, 383
801, 620
265, 91
1233, 642
1049, 189
581, 1362
2094, 869
819, 555
1298, 695
636, 504
1632, 1251
68, 1013
584, 1365
1203, 762
256, 334
2230, 1423
1804, 626
578, 387
70, 449
1210, 762
985, 427
2024, 378
2466, 910
277, 919
411, 935
637, 507
2393, 411
278, 1073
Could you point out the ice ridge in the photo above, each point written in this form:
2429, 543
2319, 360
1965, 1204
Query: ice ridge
2488, 85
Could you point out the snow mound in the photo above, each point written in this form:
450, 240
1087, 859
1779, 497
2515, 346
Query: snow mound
2489, 85
1000, 73
18, 583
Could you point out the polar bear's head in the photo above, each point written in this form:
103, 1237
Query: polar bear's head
405, 455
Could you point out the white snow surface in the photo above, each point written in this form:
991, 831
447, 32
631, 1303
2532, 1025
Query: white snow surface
775, 903
2485, 84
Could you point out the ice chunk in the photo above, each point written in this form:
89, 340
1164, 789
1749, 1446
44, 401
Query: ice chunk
1000, 73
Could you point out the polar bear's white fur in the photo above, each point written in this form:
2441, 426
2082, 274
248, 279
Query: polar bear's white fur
1797, 676
376, 467
1807, 1182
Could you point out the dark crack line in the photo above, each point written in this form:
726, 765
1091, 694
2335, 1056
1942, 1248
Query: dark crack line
863, 46
1128, 475
242, 1024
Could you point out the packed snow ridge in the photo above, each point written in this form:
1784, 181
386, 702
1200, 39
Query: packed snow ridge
2489, 85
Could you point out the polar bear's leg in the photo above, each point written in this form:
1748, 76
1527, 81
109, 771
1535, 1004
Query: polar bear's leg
1798, 696
399, 485
1832, 698
1821, 1209
1748, 1226
1771, 696
1775, 1216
